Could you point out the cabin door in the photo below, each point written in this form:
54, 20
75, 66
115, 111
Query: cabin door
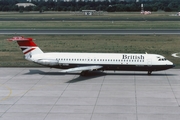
149, 62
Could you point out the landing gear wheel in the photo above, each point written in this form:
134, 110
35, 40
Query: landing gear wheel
83, 73
149, 72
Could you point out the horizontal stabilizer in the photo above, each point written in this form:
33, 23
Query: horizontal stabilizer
20, 39
84, 68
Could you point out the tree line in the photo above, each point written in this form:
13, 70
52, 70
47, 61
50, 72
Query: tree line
113, 6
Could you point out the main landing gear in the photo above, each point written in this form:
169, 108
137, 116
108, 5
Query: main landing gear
149, 72
83, 73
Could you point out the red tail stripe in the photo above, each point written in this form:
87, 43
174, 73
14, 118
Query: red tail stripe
26, 43
29, 50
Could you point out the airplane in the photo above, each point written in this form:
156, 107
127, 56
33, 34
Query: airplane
85, 62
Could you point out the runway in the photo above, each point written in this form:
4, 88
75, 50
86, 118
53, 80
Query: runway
87, 32
45, 94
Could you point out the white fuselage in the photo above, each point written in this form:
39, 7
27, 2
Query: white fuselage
109, 61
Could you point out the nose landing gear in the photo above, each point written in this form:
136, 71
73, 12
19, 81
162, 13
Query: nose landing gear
149, 72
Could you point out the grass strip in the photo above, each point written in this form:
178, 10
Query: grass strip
89, 25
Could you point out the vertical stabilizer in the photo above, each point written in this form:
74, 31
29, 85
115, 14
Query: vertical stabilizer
27, 45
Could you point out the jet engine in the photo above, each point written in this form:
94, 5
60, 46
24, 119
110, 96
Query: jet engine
48, 62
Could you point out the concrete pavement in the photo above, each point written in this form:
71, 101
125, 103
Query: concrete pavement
46, 94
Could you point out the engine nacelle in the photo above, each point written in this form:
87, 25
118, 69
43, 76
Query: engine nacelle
48, 62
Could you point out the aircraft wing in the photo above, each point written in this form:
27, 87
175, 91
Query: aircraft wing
83, 68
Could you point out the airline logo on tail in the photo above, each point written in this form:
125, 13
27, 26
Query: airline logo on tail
26, 49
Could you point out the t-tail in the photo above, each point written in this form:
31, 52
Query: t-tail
28, 47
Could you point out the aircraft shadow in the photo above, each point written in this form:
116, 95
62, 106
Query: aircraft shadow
90, 75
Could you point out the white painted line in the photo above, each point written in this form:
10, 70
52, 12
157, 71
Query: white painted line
176, 55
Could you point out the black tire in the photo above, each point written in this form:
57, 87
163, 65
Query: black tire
83, 73
149, 72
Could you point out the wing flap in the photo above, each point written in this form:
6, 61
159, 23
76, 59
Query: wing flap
83, 68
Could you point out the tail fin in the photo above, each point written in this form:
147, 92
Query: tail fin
27, 46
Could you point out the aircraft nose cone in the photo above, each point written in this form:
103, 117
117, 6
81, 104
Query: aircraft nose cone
172, 65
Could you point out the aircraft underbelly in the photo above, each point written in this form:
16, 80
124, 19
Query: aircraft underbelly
121, 67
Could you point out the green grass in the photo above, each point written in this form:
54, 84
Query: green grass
89, 25
11, 55
146, 24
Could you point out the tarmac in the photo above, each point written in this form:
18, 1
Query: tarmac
46, 94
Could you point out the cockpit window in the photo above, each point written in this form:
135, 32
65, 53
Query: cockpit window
162, 59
